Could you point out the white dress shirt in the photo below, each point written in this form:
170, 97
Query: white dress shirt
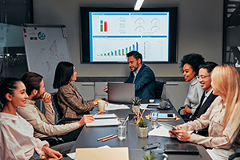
16, 138
135, 74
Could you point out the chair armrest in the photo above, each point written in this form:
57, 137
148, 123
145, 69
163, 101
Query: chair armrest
234, 155
61, 121
52, 140
179, 110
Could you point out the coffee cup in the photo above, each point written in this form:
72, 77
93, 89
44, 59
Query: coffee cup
163, 104
158, 154
101, 106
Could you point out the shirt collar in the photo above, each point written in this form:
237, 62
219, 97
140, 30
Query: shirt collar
9, 116
208, 93
136, 72
194, 81
28, 101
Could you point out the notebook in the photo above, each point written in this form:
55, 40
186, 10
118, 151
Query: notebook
116, 153
181, 148
121, 92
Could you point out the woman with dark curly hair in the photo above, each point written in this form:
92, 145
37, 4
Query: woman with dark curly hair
190, 64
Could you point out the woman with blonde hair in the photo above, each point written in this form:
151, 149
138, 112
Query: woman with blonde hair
222, 117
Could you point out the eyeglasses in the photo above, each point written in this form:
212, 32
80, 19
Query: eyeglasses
151, 146
202, 77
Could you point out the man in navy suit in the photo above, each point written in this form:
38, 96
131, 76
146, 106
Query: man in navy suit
141, 75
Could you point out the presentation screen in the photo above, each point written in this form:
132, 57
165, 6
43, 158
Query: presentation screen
112, 33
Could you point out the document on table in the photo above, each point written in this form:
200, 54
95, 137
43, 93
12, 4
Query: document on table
162, 132
116, 153
103, 122
112, 106
102, 116
143, 106
72, 155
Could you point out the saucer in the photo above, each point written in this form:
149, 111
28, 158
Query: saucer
168, 107
101, 111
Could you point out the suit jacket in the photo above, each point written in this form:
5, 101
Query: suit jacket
202, 108
72, 103
144, 83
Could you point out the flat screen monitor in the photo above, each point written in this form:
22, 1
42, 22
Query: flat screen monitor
108, 34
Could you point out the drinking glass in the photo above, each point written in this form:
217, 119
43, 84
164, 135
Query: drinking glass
122, 129
154, 119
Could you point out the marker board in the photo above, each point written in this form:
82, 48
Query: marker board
46, 46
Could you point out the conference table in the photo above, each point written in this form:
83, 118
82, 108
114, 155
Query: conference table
89, 135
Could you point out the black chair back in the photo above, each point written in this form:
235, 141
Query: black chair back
56, 107
159, 87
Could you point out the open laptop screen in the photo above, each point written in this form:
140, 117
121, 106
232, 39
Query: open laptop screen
121, 92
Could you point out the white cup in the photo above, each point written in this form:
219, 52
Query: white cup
101, 106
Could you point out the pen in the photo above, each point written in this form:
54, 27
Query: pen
109, 138
119, 119
99, 139
96, 113
125, 120
99, 90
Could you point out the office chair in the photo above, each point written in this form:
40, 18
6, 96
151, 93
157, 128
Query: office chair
237, 151
54, 140
58, 111
159, 87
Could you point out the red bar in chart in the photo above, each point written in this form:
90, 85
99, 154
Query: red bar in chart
105, 26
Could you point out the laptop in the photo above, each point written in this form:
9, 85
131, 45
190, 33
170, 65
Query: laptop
121, 92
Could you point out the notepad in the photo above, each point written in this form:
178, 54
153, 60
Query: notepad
106, 116
117, 153
181, 148
112, 106
103, 122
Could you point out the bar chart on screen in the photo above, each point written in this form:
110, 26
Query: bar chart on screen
113, 35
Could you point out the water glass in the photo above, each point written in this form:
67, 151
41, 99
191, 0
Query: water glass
154, 119
122, 129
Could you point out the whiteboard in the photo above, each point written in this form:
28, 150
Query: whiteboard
46, 46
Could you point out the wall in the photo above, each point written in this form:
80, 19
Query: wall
199, 30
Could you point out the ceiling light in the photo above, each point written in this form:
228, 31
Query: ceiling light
138, 4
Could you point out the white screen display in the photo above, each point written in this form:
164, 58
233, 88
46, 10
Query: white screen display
113, 34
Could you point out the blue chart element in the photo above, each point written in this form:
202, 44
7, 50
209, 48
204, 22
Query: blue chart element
136, 46
41, 35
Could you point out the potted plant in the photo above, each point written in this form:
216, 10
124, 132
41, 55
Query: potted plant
142, 128
148, 157
136, 103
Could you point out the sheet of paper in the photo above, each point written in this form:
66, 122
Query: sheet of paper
153, 104
167, 126
160, 131
112, 106
103, 122
143, 106
105, 116
72, 155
